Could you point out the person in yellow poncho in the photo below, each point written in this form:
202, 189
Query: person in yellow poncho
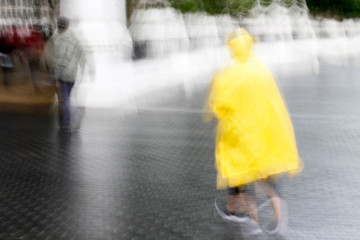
255, 137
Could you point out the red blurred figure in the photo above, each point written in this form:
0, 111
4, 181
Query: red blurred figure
27, 44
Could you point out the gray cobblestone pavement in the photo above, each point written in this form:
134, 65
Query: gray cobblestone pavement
149, 174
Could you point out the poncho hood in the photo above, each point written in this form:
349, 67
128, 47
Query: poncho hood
240, 45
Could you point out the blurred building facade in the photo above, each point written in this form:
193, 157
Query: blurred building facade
26, 14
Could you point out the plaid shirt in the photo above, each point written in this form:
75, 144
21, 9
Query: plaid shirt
66, 55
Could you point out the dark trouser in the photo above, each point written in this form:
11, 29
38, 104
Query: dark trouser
65, 114
6, 75
249, 189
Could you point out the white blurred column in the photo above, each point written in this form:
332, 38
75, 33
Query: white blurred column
101, 25
111, 10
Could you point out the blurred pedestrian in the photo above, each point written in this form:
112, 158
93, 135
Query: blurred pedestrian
67, 59
255, 140
6, 67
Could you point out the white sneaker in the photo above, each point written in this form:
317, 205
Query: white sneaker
250, 228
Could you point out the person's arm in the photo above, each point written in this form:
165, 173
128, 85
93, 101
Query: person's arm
91, 66
208, 115
86, 61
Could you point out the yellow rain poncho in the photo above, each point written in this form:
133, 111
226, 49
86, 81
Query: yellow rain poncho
255, 138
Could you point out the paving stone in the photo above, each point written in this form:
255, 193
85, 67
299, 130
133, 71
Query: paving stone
150, 174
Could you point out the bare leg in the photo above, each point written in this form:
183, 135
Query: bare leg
232, 202
242, 202
252, 208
